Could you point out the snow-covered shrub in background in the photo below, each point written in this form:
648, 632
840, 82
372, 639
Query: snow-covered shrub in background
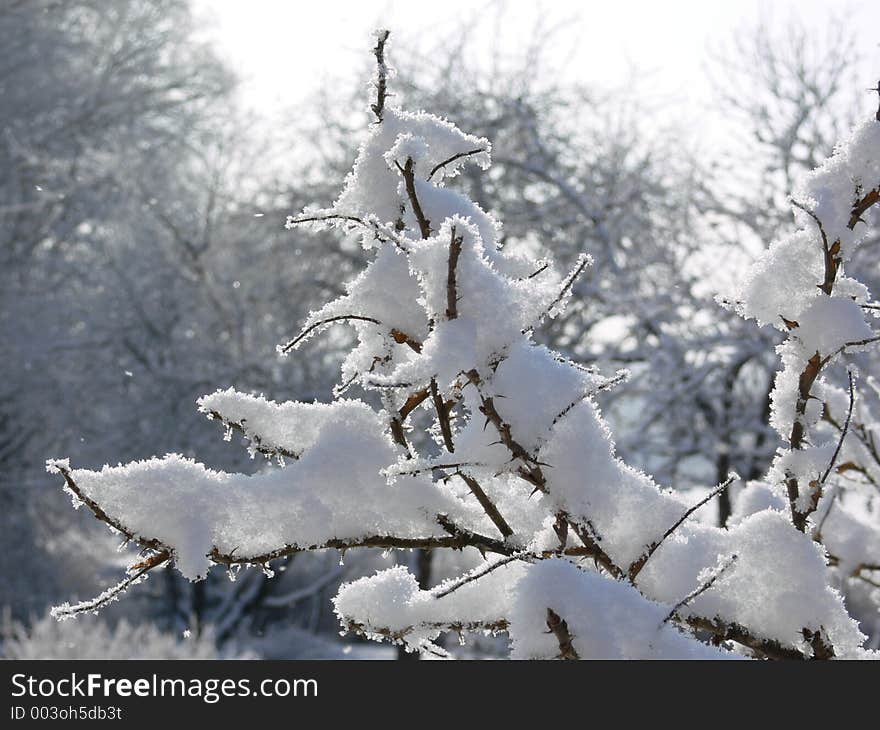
583, 555
93, 638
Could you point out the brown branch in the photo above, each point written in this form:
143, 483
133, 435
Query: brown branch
796, 438
861, 207
451, 294
443, 409
470, 539
723, 631
487, 504
531, 471
401, 338
399, 635
458, 539
378, 106
100, 514
409, 180
397, 433
438, 467
588, 535
539, 270
291, 221
559, 628
291, 344
413, 402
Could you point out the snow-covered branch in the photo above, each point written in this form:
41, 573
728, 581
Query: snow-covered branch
594, 558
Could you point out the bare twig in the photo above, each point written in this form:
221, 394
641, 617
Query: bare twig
380, 230
701, 589
440, 165
844, 430
451, 293
409, 181
65, 610
413, 402
479, 572
444, 410
619, 377
445, 466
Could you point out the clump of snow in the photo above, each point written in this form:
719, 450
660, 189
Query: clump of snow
606, 619
335, 491
291, 426
831, 190
373, 186
782, 281
830, 323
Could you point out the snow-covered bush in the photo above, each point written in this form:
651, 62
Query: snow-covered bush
583, 555
93, 638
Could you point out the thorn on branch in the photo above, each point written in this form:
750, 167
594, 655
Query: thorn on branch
619, 377
380, 230
443, 411
444, 590
539, 270
65, 610
559, 628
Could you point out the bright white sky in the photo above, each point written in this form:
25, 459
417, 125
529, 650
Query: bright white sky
284, 48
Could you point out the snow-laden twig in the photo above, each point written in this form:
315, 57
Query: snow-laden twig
114, 593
